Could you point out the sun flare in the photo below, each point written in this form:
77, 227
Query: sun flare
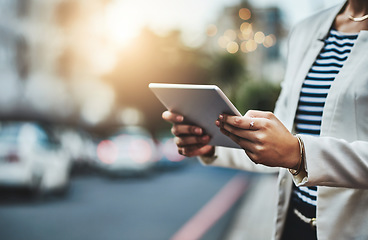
122, 22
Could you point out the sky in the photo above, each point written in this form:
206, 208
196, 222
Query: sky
127, 17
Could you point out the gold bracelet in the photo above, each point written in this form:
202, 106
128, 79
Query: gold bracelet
301, 161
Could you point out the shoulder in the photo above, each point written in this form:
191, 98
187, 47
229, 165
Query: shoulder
318, 17
313, 23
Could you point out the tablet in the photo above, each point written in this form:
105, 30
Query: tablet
200, 105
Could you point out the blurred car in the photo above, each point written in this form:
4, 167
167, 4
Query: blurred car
30, 158
168, 153
131, 151
79, 145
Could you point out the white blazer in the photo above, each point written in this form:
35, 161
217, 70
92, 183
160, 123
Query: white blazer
337, 160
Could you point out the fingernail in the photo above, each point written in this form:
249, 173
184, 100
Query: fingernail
225, 132
205, 138
198, 131
221, 117
179, 118
217, 123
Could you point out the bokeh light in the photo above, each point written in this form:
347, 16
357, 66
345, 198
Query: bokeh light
244, 13
230, 34
170, 151
246, 27
243, 47
211, 30
232, 47
251, 45
259, 37
246, 30
269, 41
140, 151
107, 151
131, 116
223, 41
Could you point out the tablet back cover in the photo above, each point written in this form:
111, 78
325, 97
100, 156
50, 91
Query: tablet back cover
200, 105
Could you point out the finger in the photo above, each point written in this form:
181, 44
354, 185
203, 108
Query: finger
233, 137
245, 123
180, 151
240, 133
172, 117
259, 114
244, 143
193, 151
253, 139
191, 140
181, 129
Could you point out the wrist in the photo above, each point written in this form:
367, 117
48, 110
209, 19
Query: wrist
210, 153
209, 157
299, 166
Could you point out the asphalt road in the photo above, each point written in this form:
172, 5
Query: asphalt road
145, 208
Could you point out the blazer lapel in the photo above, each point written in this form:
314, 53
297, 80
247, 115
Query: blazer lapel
357, 54
313, 48
355, 63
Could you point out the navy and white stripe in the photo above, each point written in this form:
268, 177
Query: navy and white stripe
312, 99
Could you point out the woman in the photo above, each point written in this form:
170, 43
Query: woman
323, 170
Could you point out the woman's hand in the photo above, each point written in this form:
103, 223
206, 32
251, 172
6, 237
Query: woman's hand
263, 137
190, 140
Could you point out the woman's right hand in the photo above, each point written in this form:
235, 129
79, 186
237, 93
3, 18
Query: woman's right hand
190, 139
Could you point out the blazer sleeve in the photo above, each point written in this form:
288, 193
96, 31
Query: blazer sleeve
334, 162
235, 158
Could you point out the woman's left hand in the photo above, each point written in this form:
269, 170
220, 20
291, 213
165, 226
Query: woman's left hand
263, 137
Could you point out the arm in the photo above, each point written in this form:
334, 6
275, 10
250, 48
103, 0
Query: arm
328, 161
234, 158
335, 163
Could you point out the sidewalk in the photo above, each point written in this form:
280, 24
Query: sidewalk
255, 218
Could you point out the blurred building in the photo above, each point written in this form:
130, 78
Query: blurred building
61, 61
52, 56
255, 34
270, 36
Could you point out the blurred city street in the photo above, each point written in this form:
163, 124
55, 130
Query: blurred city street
84, 151
151, 207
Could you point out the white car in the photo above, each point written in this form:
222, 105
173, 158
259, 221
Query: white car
31, 159
130, 151
78, 144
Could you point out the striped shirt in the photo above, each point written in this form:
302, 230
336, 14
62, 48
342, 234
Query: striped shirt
312, 99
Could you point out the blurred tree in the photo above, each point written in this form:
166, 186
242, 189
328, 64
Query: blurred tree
153, 58
226, 72
257, 95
